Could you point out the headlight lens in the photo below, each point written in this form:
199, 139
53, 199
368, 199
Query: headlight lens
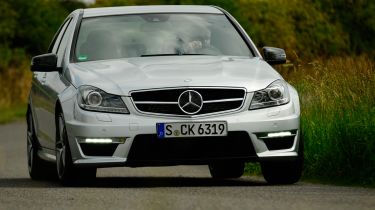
94, 99
274, 95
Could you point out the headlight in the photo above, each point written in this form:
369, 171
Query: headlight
274, 95
94, 99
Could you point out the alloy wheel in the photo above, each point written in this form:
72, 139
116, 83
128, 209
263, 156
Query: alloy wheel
61, 148
30, 147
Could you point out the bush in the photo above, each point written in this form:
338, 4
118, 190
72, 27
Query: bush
297, 26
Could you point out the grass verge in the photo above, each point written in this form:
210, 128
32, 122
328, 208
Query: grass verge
15, 82
12, 113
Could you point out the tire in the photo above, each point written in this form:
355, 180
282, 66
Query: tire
67, 173
284, 172
226, 170
38, 168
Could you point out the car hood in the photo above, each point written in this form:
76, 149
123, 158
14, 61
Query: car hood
121, 76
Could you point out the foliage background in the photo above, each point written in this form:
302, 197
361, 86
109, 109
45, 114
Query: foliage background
330, 46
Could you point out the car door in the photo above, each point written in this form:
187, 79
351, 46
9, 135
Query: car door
47, 87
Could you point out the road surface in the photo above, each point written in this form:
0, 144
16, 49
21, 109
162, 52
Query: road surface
161, 188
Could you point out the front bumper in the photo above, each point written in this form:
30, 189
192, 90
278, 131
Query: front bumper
133, 126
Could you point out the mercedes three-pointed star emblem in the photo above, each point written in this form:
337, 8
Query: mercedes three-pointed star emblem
190, 102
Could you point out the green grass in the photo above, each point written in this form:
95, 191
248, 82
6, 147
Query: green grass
12, 113
252, 169
338, 119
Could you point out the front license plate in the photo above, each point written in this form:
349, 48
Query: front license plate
196, 129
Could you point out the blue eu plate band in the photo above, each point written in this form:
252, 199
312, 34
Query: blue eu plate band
160, 130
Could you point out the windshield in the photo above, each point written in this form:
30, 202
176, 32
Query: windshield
127, 36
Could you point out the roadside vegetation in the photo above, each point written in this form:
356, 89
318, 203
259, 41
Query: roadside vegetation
330, 46
338, 118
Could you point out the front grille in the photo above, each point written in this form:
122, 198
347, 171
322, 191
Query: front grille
166, 101
148, 148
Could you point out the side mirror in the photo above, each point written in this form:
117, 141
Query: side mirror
44, 63
273, 55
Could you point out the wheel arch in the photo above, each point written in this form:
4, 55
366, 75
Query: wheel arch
58, 110
29, 111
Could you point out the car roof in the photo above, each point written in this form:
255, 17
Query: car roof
106, 11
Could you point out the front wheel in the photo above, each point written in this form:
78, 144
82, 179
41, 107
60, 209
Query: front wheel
66, 171
226, 170
284, 172
288, 172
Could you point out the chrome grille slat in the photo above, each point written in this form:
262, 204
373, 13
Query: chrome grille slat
154, 102
223, 100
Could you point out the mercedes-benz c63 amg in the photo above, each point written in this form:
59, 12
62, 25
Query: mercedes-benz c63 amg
160, 86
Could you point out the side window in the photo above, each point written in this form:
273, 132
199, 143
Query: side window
58, 38
63, 43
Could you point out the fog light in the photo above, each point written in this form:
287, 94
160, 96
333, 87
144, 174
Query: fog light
116, 140
279, 134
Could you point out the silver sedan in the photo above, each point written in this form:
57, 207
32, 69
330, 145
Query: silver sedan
160, 86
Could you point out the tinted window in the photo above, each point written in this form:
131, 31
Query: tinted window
127, 36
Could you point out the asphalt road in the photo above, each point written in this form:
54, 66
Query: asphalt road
159, 188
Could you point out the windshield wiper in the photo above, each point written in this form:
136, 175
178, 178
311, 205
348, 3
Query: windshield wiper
171, 54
